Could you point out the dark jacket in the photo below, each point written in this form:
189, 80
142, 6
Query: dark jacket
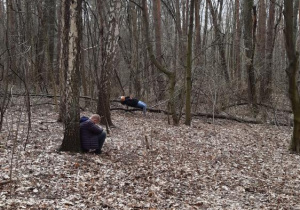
89, 133
130, 101
83, 118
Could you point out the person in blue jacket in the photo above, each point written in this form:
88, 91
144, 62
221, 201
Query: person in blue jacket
133, 102
92, 136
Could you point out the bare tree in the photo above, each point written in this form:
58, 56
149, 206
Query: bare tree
158, 46
237, 43
292, 71
62, 57
249, 40
261, 49
188, 117
104, 82
11, 34
266, 90
71, 141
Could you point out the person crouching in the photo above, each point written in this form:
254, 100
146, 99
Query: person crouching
92, 135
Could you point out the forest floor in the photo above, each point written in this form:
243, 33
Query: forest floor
220, 165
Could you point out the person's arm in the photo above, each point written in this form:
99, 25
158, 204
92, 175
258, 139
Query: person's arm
95, 128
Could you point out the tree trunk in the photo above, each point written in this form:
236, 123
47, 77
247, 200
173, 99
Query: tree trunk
237, 47
41, 50
249, 39
158, 51
267, 79
71, 141
204, 39
103, 105
261, 52
62, 60
292, 71
134, 61
298, 42
11, 34
188, 117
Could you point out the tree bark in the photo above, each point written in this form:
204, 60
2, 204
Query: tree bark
188, 117
104, 84
261, 52
237, 48
266, 91
11, 34
71, 140
249, 39
292, 71
204, 38
158, 45
197, 48
62, 60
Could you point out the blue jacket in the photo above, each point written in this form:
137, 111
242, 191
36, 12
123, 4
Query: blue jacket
89, 133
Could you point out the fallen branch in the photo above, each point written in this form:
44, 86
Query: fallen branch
259, 104
228, 117
134, 110
218, 116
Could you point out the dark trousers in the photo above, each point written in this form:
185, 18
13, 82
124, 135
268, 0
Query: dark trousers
101, 140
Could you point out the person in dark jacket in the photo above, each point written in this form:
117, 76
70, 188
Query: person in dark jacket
92, 136
133, 102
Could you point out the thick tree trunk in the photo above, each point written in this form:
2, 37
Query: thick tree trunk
104, 84
292, 72
71, 141
249, 39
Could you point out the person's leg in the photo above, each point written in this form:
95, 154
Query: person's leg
143, 106
101, 139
